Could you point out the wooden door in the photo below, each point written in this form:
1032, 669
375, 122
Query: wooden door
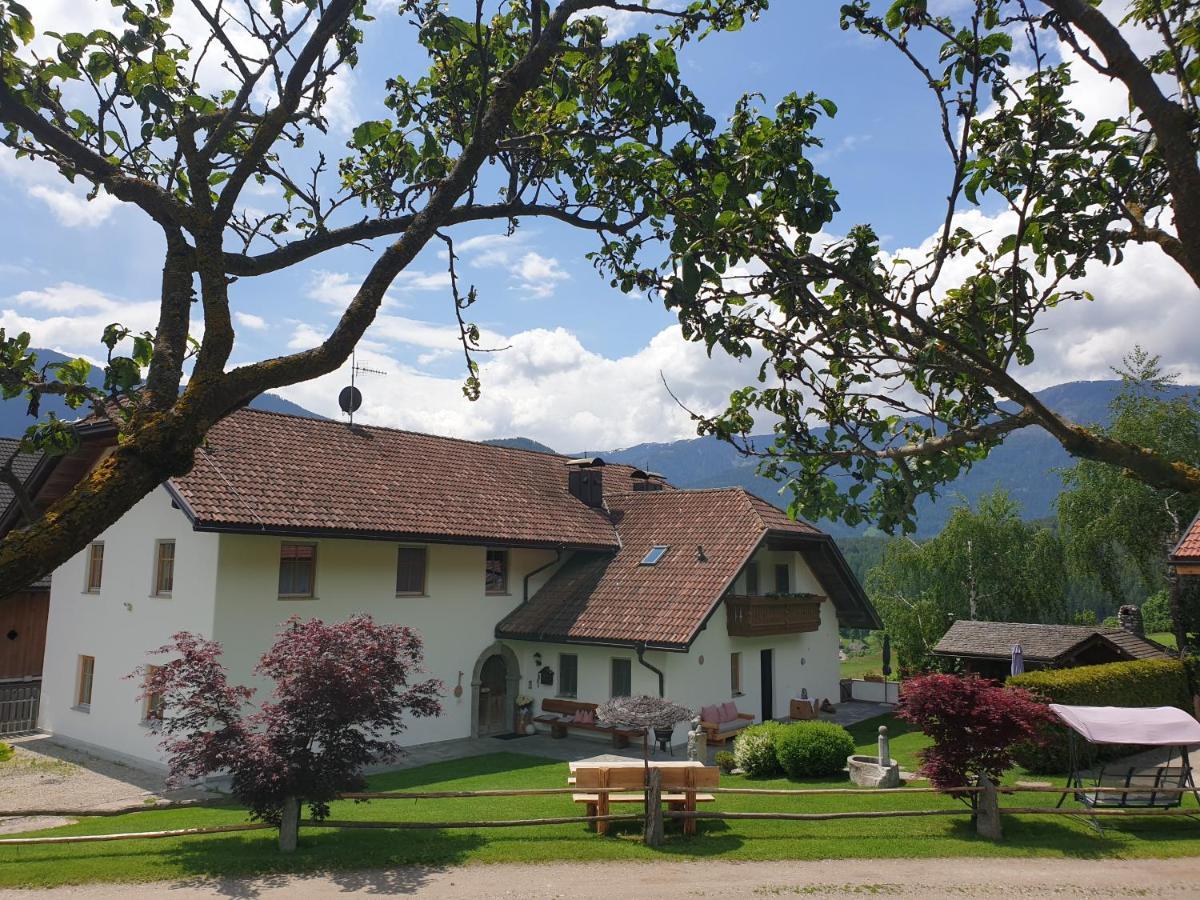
493, 699
767, 663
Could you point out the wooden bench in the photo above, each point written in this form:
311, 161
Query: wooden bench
680, 789
554, 709
719, 732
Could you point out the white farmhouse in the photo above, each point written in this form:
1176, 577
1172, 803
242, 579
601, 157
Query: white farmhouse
525, 572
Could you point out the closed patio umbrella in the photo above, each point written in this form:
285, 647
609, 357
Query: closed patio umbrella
1018, 659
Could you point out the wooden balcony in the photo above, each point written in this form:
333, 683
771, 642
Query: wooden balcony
771, 614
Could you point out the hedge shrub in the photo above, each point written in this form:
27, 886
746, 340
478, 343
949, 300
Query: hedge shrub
1145, 682
6, 751
813, 749
754, 749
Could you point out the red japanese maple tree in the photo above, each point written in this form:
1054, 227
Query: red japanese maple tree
341, 694
975, 724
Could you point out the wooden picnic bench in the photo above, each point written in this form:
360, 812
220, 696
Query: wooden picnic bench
558, 714
681, 789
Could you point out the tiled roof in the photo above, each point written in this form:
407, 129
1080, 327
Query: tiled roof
23, 466
262, 471
603, 597
1039, 643
1188, 549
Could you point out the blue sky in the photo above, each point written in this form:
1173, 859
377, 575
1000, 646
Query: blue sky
584, 368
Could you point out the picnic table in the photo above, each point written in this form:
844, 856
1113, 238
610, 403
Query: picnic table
680, 781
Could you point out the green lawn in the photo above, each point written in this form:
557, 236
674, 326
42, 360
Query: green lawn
255, 853
1163, 637
857, 666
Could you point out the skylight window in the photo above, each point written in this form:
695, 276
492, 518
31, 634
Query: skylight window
655, 554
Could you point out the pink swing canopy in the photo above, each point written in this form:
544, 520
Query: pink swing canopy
1157, 726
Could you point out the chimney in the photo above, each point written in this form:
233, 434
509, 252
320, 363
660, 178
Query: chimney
646, 481
585, 480
1129, 617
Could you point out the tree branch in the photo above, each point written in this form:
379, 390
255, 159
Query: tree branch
1173, 125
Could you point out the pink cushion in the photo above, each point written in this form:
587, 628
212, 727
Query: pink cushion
710, 714
729, 711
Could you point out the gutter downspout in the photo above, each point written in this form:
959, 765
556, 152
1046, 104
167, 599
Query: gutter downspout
662, 689
525, 590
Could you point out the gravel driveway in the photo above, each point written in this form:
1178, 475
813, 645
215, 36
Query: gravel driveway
46, 775
928, 879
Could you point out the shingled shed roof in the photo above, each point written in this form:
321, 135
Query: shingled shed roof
1188, 549
272, 473
1039, 643
23, 466
614, 598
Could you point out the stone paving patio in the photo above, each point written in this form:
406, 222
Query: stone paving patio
600, 749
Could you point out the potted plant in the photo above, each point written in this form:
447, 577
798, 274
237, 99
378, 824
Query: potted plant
525, 708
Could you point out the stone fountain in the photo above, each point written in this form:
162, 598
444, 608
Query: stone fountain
875, 771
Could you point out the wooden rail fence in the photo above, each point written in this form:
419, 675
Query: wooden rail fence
986, 810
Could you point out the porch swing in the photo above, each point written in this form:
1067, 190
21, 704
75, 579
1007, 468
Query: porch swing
1128, 787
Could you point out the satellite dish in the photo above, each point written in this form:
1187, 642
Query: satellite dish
350, 399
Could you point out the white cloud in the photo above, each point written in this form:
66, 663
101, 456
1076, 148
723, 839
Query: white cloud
1147, 299
78, 317
530, 271
74, 210
547, 386
251, 321
537, 274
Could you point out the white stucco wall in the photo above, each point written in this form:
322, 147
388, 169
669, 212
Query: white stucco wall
801, 661
456, 618
120, 624
226, 587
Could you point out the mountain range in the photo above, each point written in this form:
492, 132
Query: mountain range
1027, 464
14, 421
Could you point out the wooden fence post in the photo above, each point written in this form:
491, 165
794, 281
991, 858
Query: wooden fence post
289, 824
654, 817
987, 811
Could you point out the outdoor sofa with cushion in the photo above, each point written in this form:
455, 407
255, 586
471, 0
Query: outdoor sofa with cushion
723, 721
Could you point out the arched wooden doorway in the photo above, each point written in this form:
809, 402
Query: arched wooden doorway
494, 690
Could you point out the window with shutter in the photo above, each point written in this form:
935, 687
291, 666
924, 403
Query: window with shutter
410, 571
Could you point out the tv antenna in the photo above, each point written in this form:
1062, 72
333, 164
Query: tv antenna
351, 398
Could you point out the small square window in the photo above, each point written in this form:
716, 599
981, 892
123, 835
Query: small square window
622, 678
410, 570
87, 674
655, 554
297, 569
95, 568
496, 572
164, 568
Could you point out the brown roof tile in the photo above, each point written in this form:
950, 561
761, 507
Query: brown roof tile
614, 598
1188, 549
278, 473
1039, 643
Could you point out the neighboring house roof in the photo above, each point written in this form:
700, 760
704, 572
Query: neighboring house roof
1040, 643
1188, 549
24, 465
274, 473
613, 598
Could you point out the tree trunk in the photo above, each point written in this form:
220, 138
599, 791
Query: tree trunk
1175, 604
289, 825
